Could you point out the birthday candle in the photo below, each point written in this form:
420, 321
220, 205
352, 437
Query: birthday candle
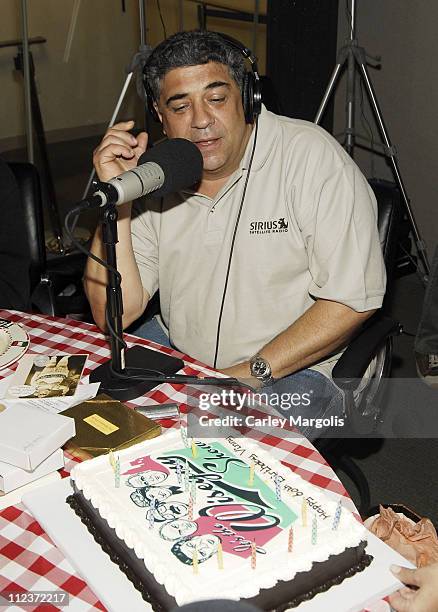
179, 471
251, 474
277, 487
187, 476
290, 541
193, 491
220, 556
337, 515
112, 460
190, 508
304, 512
117, 473
314, 530
253, 555
195, 561
194, 450
183, 431
151, 514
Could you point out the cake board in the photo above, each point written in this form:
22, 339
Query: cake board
117, 594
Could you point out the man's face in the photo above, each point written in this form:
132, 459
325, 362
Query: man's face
206, 545
204, 104
146, 479
158, 493
168, 511
179, 528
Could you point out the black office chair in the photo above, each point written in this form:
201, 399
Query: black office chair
364, 408
48, 278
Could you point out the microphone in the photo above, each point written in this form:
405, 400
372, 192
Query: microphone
168, 167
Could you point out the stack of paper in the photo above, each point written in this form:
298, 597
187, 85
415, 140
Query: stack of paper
12, 477
28, 435
30, 447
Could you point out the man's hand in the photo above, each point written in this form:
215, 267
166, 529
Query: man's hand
118, 151
242, 372
424, 598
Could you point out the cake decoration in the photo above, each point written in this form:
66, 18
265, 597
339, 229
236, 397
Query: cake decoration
253, 555
337, 518
251, 474
314, 530
172, 546
277, 481
304, 512
220, 556
179, 472
290, 541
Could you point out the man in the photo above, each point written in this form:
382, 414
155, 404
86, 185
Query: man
306, 268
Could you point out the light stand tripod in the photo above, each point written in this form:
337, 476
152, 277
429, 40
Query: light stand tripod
135, 65
355, 57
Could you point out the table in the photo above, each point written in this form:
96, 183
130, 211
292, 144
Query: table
29, 561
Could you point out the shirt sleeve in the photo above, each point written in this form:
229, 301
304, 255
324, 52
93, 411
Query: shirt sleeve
344, 252
144, 233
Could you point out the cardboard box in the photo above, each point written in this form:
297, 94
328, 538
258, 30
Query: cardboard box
29, 435
104, 424
12, 477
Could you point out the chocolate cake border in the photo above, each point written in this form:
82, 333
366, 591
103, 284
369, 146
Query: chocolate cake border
157, 606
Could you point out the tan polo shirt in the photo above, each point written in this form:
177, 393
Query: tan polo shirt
307, 230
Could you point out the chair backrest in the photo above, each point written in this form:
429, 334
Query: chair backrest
30, 190
388, 222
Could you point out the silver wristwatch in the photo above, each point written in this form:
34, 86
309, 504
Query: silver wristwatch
261, 369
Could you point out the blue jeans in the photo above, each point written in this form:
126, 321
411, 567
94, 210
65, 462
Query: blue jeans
304, 395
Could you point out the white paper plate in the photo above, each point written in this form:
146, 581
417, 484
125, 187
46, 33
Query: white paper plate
14, 342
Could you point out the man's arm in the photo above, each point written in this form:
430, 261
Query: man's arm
321, 330
119, 151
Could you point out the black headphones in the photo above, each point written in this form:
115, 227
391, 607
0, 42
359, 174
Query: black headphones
251, 91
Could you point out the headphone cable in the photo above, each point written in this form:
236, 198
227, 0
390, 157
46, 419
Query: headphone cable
232, 243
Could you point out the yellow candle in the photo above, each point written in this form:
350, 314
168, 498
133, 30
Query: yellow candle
304, 512
112, 460
220, 556
251, 474
195, 561
194, 450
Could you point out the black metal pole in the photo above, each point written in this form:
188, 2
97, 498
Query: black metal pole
114, 301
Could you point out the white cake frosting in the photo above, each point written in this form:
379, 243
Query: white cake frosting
132, 523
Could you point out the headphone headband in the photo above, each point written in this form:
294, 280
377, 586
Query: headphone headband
251, 91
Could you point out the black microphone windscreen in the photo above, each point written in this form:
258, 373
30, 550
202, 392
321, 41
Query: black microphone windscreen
181, 162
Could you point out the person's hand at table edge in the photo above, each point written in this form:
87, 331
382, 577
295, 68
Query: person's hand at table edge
420, 593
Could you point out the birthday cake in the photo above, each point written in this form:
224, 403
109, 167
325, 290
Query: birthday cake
219, 518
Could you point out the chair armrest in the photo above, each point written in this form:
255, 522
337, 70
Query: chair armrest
358, 355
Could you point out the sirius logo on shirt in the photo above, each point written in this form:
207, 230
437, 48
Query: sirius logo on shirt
274, 226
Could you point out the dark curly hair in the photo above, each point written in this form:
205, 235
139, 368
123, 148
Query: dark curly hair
191, 49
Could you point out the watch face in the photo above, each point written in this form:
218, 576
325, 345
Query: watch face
260, 368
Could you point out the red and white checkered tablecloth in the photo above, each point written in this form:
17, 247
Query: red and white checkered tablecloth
29, 561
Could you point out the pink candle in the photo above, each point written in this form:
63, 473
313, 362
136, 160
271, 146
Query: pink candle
253, 555
290, 542
190, 508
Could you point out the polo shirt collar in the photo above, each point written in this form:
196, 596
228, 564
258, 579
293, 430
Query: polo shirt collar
266, 138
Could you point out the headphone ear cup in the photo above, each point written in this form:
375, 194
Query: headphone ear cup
256, 95
251, 97
247, 97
